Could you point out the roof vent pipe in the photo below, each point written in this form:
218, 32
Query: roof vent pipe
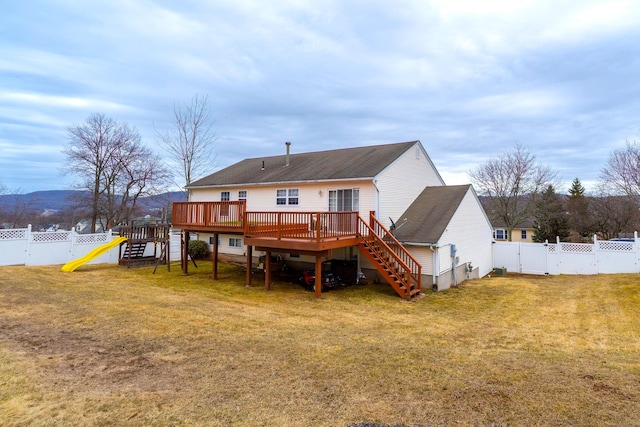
262, 166
288, 144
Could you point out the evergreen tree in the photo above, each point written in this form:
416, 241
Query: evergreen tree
550, 218
576, 190
578, 211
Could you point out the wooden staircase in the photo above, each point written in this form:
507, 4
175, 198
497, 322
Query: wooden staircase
391, 259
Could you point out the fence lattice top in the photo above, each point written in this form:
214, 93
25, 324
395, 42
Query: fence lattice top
90, 238
616, 246
13, 234
57, 236
576, 247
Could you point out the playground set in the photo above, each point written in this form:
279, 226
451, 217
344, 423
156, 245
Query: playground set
138, 245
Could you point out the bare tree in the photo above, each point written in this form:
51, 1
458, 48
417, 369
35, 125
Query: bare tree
621, 175
113, 166
511, 182
143, 173
614, 215
191, 141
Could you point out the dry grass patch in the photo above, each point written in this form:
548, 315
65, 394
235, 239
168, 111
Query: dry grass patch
111, 346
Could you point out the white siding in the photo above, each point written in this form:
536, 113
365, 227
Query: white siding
424, 255
471, 232
314, 197
401, 182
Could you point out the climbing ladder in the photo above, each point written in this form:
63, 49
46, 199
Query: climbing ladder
391, 259
139, 237
135, 249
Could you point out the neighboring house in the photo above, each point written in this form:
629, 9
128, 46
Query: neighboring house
391, 182
523, 232
84, 226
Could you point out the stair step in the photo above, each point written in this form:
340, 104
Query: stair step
378, 252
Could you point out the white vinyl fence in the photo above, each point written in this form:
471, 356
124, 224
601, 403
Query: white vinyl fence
21, 246
601, 256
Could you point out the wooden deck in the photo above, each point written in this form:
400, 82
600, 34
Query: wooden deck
302, 231
305, 233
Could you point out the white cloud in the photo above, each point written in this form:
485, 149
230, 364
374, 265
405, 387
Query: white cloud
39, 100
520, 104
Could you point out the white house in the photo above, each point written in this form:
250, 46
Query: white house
392, 182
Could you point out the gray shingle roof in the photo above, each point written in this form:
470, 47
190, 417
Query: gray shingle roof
429, 215
347, 163
524, 224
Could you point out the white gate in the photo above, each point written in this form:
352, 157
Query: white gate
533, 259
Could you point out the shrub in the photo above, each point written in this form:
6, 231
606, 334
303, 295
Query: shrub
198, 249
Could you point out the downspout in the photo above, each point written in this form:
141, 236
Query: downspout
454, 258
435, 261
435, 267
375, 184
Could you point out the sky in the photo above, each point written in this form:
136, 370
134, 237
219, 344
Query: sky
469, 79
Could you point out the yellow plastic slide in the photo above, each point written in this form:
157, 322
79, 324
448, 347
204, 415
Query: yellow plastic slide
72, 265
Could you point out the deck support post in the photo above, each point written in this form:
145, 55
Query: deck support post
185, 253
167, 247
318, 282
249, 265
267, 271
214, 268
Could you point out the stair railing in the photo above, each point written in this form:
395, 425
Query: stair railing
398, 261
397, 247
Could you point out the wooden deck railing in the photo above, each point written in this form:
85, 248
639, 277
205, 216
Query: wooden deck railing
316, 226
210, 215
145, 232
392, 251
396, 246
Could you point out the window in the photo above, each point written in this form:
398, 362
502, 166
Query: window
500, 234
288, 197
523, 234
242, 195
344, 200
235, 242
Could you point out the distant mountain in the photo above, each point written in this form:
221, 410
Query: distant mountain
59, 199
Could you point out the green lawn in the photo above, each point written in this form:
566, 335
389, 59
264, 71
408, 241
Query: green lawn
112, 346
